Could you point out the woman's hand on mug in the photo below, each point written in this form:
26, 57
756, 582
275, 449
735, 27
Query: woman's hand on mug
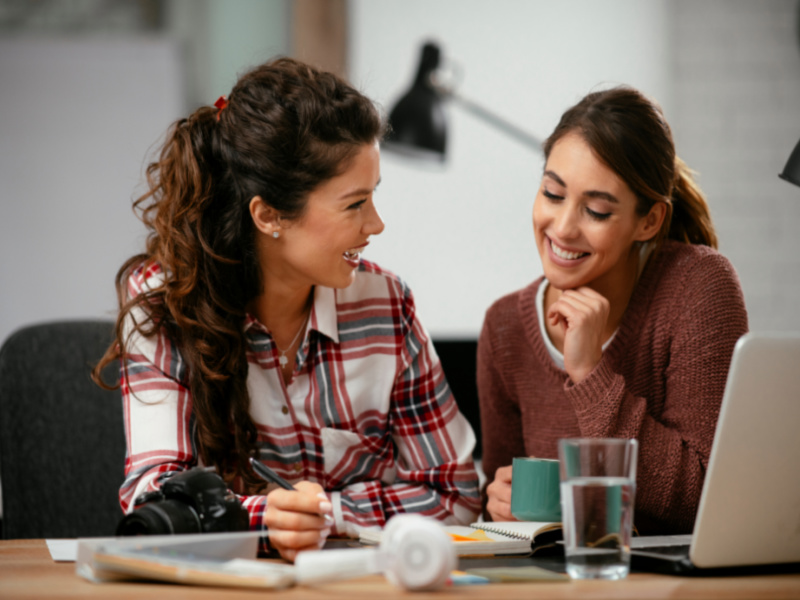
299, 519
499, 495
583, 313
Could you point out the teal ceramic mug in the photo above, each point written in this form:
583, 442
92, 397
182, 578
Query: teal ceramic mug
535, 494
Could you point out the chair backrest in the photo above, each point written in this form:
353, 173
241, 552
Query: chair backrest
62, 441
459, 359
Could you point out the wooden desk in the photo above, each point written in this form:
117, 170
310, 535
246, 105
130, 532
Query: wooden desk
27, 571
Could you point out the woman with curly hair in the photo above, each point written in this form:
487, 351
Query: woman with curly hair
251, 327
630, 332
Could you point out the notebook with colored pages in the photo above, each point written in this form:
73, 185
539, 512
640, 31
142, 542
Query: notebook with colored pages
214, 559
540, 535
118, 563
479, 539
748, 515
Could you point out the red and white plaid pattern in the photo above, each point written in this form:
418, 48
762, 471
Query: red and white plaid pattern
368, 414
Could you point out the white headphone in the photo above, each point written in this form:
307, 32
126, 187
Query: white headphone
415, 553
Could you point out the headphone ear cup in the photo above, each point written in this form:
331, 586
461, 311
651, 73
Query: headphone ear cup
420, 553
415, 553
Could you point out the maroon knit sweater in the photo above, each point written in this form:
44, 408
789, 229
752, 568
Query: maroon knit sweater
660, 381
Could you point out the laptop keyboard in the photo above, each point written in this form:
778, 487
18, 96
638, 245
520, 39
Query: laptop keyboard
671, 551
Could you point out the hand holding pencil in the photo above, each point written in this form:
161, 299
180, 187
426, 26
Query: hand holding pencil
298, 517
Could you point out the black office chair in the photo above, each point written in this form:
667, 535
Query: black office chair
459, 358
62, 442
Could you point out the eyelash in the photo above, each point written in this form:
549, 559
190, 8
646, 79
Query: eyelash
597, 216
592, 214
551, 195
357, 205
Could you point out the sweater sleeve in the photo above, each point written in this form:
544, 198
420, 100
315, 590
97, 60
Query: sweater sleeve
674, 448
498, 407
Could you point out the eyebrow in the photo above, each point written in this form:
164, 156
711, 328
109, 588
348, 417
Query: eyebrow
360, 192
591, 193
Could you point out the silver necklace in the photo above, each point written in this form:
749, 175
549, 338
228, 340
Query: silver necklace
282, 359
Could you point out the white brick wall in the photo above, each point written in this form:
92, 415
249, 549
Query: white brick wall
736, 117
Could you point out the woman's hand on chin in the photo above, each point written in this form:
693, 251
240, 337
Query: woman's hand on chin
583, 315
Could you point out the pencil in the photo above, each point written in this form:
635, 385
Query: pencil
268, 474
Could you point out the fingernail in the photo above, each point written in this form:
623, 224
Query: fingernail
323, 536
329, 520
325, 506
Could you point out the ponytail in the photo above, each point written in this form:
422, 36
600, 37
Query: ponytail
200, 301
691, 218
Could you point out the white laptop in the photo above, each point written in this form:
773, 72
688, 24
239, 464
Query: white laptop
749, 511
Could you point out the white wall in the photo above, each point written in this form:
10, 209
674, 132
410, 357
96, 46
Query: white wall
76, 119
461, 236
79, 115
737, 118
222, 39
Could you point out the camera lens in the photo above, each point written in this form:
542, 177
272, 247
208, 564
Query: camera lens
160, 518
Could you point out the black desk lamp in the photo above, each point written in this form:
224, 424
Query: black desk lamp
418, 122
791, 172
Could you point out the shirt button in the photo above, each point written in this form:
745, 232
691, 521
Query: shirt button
285, 410
298, 467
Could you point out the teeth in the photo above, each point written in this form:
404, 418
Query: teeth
561, 253
352, 254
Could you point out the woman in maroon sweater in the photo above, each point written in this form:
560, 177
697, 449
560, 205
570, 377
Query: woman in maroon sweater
630, 331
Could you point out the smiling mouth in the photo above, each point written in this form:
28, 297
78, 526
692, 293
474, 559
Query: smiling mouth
353, 255
566, 254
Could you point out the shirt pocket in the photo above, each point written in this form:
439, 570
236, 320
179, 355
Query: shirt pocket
351, 457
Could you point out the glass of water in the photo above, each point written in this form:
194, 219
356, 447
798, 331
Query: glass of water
598, 484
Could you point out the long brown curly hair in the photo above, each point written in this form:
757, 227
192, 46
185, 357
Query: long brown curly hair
286, 129
629, 133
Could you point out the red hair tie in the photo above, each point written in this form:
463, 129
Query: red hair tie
221, 103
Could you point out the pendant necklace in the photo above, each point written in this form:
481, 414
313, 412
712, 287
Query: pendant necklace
282, 359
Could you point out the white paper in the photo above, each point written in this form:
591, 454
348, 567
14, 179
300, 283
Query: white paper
63, 550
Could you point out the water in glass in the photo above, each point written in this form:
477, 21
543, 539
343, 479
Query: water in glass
597, 541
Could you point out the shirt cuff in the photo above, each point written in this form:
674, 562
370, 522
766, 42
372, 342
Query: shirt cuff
338, 517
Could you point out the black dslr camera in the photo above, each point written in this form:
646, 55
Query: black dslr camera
193, 501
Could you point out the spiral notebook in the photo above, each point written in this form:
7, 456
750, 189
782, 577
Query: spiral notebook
538, 534
491, 539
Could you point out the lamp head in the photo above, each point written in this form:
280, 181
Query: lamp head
418, 122
791, 172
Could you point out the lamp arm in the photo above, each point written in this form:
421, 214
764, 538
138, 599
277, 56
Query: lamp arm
493, 119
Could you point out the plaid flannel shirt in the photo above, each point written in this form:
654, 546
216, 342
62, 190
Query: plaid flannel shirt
368, 414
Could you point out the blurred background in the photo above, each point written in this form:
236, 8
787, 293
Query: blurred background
88, 87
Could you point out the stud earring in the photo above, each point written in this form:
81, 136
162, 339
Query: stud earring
276, 234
